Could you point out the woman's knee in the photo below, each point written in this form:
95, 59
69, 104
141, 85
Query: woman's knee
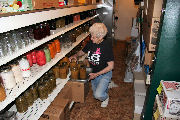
98, 96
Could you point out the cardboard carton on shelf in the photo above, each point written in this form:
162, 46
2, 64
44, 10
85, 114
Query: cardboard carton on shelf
158, 113
41, 4
148, 58
151, 47
79, 90
169, 97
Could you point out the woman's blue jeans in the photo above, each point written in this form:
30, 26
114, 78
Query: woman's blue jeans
100, 86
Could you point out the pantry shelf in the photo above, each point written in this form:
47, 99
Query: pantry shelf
22, 86
39, 106
54, 34
23, 20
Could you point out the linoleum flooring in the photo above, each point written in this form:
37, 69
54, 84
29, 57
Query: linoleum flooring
121, 102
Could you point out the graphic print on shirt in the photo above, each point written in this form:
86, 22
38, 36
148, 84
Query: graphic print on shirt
94, 58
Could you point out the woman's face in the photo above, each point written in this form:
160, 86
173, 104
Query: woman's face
95, 39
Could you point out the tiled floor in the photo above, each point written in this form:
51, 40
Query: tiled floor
121, 104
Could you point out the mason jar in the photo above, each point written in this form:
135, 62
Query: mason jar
21, 104
74, 73
8, 77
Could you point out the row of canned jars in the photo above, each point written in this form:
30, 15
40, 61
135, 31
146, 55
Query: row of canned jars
78, 69
40, 89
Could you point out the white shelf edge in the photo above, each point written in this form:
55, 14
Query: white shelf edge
22, 86
57, 32
18, 21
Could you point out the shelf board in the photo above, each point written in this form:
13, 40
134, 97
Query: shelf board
54, 34
22, 20
22, 86
39, 106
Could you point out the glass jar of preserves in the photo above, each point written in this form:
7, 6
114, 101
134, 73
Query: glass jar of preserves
8, 77
65, 59
54, 47
65, 64
41, 58
75, 18
47, 28
82, 73
17, 72
21, 104
62, 72
80, 63
52, 24
29, 58
25, 68
56, 71
33, 55
51, 49
2, 93
29, 97
48, 86
37, 32
52, 82
42, 30
60, 22
74, 73
67, 20
43, 94
34, 92
73, 64
47, 54
58, 48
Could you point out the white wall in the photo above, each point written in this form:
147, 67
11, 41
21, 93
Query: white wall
125, 10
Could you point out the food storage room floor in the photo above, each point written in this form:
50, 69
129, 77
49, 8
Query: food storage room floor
121, 103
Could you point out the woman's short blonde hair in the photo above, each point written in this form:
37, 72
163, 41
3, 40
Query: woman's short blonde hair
99, 30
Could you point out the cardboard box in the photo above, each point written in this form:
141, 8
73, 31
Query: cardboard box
57, 111
148, 58
139, 103
169, 97
53, 113
40, 4
157, 111
79, 90
65, 93
72, 2
136, 116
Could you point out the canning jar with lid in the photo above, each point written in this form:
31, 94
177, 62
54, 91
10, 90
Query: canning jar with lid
29, 97
43, 94
21, 104
74, 73
17, 72
2, 93
82, 72
47, 54
62, 72
8, 77
24, 66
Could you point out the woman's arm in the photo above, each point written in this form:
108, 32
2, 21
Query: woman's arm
78, 54
105, 70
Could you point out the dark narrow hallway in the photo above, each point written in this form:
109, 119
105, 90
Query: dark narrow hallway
121, 103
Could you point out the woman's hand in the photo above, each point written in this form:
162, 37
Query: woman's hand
73, 57
78, 54
92, 75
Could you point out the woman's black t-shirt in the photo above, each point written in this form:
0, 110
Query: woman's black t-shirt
99, 54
